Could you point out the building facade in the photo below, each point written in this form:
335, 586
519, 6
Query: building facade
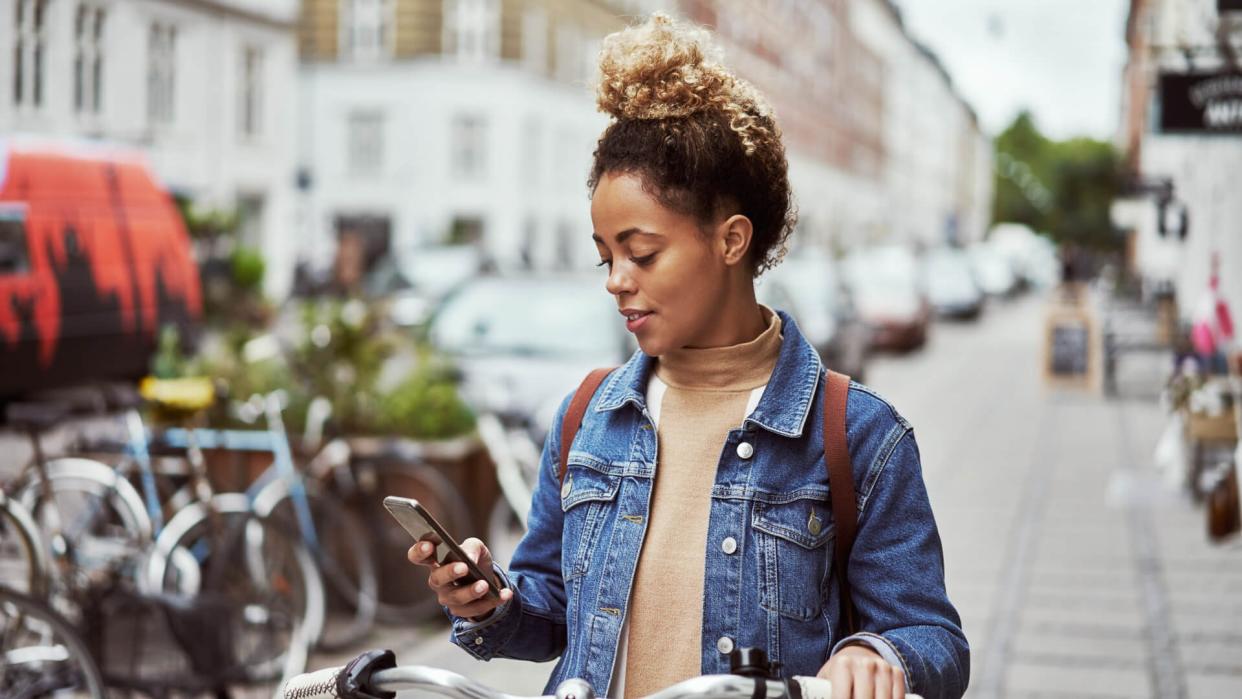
204, 87
433, 121
1181, 130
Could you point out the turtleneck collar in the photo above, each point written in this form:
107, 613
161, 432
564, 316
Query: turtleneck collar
735, 368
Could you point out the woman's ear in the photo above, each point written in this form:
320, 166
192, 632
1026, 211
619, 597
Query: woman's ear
735, 235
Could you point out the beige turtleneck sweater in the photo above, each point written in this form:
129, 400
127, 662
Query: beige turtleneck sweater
696, 396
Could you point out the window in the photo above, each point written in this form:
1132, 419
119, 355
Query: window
569, 53
88, 59
161, 73
531, 166
474, 27
366, 143
469, 146
535, 40
29, 52
367, 28
251, 100
13, 254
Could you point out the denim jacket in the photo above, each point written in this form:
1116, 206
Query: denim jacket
769, 555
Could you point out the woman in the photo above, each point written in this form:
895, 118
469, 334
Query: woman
694, 516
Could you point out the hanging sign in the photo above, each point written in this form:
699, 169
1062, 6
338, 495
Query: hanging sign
1205, 102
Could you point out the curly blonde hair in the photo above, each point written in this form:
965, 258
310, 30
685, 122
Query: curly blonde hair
703, 140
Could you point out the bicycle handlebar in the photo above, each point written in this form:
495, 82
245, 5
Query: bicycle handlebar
330, 683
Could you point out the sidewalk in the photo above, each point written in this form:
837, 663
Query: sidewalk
1076, 571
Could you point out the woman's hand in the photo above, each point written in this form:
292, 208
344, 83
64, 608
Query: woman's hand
858, 672
465, 601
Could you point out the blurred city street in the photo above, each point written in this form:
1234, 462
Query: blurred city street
1077, 571
264, 263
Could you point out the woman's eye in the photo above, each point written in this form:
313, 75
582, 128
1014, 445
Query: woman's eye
604, 263
644, 260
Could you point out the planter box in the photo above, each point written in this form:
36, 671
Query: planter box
1208, 428
463, 461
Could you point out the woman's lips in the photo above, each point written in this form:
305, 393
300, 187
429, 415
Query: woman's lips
636, 321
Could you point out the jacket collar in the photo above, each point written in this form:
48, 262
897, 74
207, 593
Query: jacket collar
786, 403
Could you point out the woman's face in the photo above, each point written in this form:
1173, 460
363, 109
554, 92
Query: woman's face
667, 275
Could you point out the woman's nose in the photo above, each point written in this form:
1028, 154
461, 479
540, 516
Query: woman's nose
619, 282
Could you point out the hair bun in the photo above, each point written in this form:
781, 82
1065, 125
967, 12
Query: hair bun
664, 68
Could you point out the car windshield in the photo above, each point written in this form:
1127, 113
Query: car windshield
528, 318
949, 272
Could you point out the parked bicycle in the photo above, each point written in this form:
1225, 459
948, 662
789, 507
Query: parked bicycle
40, 654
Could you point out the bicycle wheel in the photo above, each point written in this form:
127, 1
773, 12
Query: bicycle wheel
346, 564
403, 593
263, 569
23, 560
99, 516
40, 655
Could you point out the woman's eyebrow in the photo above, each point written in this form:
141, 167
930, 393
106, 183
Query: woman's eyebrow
625, 235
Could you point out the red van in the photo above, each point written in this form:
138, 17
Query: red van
94, 260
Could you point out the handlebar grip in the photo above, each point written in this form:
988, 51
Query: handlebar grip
320, 684
814, 687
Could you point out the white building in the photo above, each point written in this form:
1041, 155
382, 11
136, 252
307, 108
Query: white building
434, 121
427, 121
1203, 164
938, 175
204, 87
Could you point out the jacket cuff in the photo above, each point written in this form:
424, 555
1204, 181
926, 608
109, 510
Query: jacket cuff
880, 645
484, 638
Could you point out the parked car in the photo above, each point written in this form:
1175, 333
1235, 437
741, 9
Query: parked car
94, 260
951, 286
413, 284
523, 342
889, 292
810, 289
993, 271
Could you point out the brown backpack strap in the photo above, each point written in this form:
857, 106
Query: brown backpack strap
841, 483
573, 415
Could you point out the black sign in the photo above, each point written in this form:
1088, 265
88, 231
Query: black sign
1227, 5
1201, 103
1070, 345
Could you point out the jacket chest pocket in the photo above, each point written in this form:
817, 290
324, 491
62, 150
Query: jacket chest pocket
794, 542
587, 498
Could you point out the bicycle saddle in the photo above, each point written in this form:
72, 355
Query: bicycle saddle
36, 417
188, 395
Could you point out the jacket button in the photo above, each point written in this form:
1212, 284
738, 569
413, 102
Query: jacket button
724, 645
567, 487
729, 545
745, 450
478, 640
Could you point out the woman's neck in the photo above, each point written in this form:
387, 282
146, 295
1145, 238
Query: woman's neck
738, 321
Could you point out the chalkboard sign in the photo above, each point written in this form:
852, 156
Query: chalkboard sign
1069, 347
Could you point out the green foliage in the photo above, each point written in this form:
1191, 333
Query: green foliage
1082, 176
169, 362
425, 405
248, 269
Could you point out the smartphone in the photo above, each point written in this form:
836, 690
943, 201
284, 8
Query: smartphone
416, 520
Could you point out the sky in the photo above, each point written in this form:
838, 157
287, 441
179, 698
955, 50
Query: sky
1062, 59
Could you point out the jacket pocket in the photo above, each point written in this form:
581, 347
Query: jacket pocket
587, 497
794, 541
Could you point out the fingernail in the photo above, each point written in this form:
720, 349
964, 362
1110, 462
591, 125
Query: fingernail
426, 548
480, 586
460, 569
